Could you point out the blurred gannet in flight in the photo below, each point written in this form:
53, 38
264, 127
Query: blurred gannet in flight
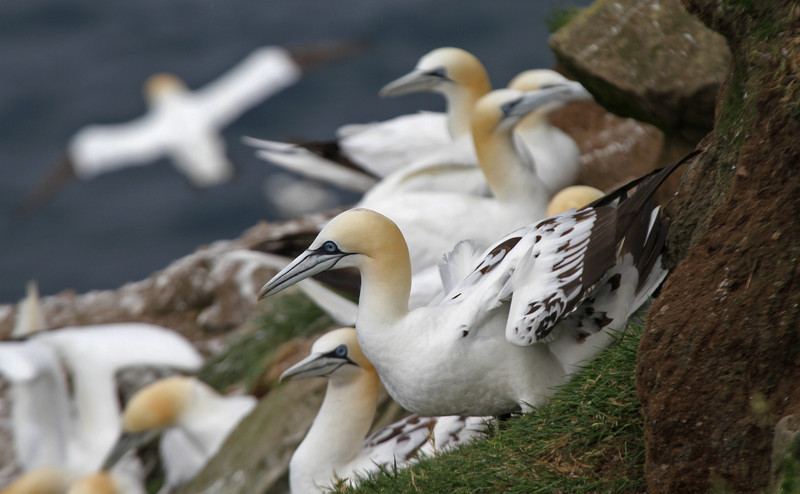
554, 155
337, 446
365, 153
194, 418
181, 124
540, 301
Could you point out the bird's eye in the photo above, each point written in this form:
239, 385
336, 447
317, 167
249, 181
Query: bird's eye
341, 351
439, 72
330, 247
506, 108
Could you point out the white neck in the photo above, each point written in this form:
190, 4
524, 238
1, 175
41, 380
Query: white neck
337, 434
212, 417
460, 101
97, 422
508, 176
385, 288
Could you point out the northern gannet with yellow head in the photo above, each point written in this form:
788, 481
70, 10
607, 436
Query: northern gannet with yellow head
553, 154
377, 150
540, 301
433, 221
195, 421
337, 446
183, 125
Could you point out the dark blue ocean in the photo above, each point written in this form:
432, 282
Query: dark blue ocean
68, 63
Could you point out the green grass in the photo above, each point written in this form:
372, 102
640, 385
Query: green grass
588, 438
285, 317
559, 18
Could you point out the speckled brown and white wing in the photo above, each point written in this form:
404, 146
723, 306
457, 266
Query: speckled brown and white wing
407, 440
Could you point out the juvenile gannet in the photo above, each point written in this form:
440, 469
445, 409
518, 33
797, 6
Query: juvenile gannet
337, 446
181, 124
573, 197
194, 418
365, 153
555, 288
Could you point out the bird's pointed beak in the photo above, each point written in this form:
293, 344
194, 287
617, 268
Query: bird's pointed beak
305, 265
315, 365
413, 82
128, 441
561, 93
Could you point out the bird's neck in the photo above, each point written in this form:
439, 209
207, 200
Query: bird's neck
212, 418
385, 287
508, 176
343, 421
459, 108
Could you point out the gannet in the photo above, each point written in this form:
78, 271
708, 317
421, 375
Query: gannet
337, 446
181, 124
92, 356
365, 153
540, 301
573, 197
433, 221
555, 156
195, 420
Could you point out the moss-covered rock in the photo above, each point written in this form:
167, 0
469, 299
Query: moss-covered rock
649, 60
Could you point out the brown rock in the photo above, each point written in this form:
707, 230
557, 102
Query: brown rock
649, 60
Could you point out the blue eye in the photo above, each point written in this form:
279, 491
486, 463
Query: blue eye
330, 247
341, 351
439, 72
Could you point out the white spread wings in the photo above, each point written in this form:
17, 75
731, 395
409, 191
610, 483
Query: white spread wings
384, 147
97, 149
261, 74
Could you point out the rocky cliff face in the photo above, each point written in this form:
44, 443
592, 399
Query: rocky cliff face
648, 60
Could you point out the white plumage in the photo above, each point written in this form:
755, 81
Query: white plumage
336, 446
365, 153
194, 418
555, 288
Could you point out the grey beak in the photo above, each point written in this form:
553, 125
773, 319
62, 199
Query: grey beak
413, 82
127, 442
313, 366
305, 265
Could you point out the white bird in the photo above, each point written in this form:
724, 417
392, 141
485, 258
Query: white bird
556, 288
553, 153
194, 418
365, 153
181, 124
337, 446
433, 221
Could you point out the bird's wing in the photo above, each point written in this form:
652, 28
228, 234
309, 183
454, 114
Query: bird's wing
572, 252
97, 149
261, 74
299, 159
414, 437
385, 147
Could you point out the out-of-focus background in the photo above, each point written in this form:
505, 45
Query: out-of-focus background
69, 63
